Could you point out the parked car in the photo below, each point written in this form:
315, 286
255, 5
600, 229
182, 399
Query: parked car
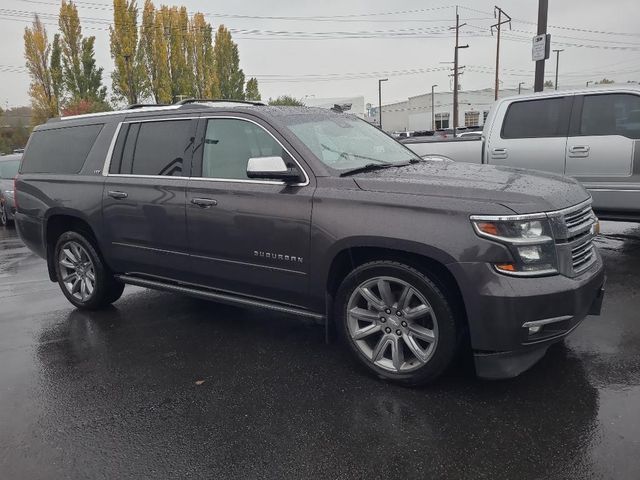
592, 135
318, 214
8, 170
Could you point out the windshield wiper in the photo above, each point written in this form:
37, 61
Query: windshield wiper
367, 168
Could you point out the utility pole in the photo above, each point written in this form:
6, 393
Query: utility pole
456, 71
380, 100
557, 63
543, 11
433, 114
519, 87
500, 12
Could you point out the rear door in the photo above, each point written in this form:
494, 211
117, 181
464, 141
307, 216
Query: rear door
144, 197
603, 141
247, 236
533, 134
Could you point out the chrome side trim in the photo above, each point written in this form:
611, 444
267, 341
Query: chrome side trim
546, 321
142, 247
531, 216
107, 160
214, 259
217, 296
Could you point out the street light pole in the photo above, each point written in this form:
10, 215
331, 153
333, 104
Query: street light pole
520, 87
433, 114
557, 63
380, 100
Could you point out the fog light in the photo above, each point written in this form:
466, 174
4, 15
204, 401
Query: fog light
530, 253
534, 330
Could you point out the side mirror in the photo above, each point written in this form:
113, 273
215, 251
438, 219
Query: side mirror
272, 168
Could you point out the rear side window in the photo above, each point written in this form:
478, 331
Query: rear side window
9, 168
158, 148
611, 114
60, 150
536, 118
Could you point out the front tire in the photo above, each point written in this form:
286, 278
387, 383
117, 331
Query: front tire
82, 275
397, 322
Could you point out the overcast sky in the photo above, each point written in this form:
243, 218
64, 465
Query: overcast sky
599, 38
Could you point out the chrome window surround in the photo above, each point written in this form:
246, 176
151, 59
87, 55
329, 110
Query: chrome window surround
107, 162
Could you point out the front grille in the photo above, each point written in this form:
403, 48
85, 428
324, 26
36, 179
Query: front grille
582, 255
579, 221
579, 234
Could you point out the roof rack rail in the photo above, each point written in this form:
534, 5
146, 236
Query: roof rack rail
143, 105
188, 101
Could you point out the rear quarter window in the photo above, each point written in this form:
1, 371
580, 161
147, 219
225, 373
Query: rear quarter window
59, 150
536, 119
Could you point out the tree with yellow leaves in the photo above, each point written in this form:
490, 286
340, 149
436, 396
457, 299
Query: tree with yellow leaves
130, 81
37, 53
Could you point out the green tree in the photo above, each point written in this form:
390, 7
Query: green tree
82, 79
286, 100
605, 81
155, 52
182, 80
201, 36
37, 53
129, 77
227, 65
57, 80
251, 91
548, 84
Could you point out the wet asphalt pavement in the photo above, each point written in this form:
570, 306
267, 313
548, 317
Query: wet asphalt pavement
114, 394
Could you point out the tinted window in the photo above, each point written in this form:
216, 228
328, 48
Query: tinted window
611, 114
9, 168
230, 143
61, 150
157, 148
535, 119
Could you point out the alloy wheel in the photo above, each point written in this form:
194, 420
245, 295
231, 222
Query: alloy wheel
77, 271
392, 324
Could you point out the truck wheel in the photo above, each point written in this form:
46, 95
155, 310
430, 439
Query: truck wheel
82, 275
397, 322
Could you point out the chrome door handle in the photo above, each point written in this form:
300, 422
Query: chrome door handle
204, 202
117, 195
578, 151
499, 153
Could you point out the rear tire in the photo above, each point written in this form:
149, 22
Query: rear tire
4, 219
82, 275
397, 322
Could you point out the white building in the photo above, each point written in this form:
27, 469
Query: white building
415, 112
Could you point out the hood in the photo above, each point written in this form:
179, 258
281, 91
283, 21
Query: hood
523, 191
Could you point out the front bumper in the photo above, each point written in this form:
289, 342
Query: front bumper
500, 310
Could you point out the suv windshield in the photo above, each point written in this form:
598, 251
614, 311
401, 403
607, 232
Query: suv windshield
9, 168
346, 142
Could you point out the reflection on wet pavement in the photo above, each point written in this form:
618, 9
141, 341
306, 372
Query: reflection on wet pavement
112, 394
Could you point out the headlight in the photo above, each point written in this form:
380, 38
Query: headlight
529, 240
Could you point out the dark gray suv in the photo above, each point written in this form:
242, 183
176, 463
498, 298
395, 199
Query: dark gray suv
318, 214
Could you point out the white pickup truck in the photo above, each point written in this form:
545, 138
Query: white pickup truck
592, 135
